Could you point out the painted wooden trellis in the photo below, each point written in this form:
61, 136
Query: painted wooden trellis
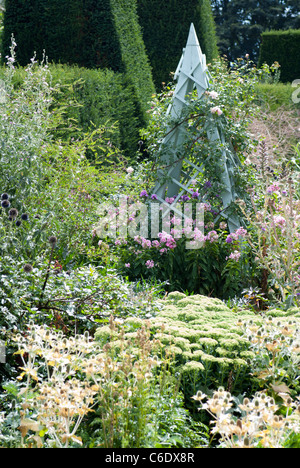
192, 73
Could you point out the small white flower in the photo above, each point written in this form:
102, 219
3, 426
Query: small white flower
213, 94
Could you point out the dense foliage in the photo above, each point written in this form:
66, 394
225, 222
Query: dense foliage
76, 32
170, 20
273, 48
240, 23
89, 99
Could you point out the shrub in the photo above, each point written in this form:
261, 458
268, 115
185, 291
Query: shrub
204, 338
282, 47
208, 342
276, 95
97, 98
94, 35
165, 37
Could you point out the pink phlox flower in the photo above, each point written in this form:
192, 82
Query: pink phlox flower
149, 263
212, 236
234, 256
279, 221
170, 200
273, 188
207, 206
146, 243
240, 232
155, 243
176, 221
198, 235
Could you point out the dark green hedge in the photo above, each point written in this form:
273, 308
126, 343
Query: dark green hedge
165, 25
89, 33
284, 47
102, 96
92, 98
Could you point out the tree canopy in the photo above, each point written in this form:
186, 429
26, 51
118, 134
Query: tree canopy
239, 23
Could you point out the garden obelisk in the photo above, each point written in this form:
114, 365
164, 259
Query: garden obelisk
191, 74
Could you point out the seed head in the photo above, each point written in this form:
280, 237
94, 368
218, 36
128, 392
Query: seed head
27, 268
13, 213
5, 204
52, 240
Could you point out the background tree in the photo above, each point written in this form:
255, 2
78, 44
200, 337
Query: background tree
165, 27
239, 23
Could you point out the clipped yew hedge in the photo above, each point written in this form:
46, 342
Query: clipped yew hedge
283, 47
89, 33
165, 27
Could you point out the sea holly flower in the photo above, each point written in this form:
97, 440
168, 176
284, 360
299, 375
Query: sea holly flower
27, 268
13, 213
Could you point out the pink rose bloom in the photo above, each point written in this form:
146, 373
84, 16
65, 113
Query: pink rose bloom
213, 94
216, 110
